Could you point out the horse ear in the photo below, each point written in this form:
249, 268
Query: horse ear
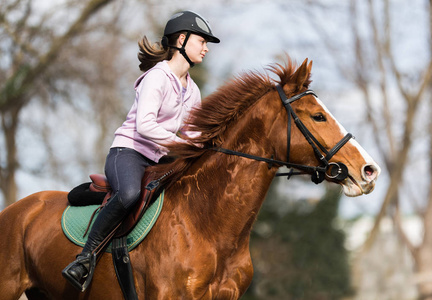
309, 67
302, 74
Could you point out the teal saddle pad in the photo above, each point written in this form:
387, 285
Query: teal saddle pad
75, 219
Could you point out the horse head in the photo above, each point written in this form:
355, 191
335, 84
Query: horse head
327, 135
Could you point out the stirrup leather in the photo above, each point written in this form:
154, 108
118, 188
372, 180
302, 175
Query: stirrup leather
90, 260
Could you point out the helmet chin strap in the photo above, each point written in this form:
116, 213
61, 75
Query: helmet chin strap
182, 50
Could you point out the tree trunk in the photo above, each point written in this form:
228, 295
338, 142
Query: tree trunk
7, 178
21, 85
423, 257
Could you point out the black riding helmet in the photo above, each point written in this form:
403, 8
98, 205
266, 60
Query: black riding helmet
191, 23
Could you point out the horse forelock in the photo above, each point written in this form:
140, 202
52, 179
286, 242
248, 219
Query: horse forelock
219, 110
287, 74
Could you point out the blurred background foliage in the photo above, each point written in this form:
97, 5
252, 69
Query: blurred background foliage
300, 254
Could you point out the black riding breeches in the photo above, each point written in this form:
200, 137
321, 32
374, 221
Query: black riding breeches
125, 169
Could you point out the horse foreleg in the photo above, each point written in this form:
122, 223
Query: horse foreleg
36, 294
11, 289
237, 278
232, 288
14, 279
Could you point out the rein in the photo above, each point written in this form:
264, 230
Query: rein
332, 170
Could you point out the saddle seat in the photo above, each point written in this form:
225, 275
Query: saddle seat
99, 183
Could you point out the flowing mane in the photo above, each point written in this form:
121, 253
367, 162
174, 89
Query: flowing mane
217, 112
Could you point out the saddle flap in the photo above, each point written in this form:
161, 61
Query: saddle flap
140, 207
100, 184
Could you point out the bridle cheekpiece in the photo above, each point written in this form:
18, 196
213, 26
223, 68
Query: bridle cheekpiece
333, 170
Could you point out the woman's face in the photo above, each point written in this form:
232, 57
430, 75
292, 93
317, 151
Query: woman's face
196, 47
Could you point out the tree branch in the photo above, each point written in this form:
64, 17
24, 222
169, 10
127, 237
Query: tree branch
17, 86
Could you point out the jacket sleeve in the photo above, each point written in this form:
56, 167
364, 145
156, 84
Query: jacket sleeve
186, 129
151, 92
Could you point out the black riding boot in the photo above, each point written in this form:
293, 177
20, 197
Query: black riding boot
107, 219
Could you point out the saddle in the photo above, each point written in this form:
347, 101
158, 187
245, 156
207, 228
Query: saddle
100, 184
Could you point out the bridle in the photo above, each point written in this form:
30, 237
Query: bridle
333, 170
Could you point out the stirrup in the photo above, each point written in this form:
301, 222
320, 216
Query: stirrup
90, 260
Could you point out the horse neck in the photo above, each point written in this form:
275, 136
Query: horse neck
224, 192
224, 198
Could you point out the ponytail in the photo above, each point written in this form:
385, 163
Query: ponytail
150, 54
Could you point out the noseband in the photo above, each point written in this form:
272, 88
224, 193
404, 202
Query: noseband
337, 171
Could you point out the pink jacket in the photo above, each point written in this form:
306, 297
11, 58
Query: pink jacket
158, 112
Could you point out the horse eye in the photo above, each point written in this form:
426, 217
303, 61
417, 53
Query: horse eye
319, 117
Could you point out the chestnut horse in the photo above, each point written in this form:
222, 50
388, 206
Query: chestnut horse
199, 246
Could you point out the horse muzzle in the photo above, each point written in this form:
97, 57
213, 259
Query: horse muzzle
364, 184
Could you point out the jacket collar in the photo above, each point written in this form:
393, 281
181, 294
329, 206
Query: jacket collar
175, 81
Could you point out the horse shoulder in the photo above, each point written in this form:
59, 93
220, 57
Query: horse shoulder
175, 256
23, 223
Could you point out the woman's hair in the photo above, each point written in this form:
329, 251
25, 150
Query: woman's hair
150, 54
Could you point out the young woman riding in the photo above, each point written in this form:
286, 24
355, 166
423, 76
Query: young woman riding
165, 95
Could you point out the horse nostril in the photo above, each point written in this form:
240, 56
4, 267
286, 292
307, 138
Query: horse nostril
370, 172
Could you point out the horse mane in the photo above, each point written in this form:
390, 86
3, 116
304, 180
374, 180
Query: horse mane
217, 112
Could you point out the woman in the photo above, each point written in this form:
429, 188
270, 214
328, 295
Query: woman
165, 95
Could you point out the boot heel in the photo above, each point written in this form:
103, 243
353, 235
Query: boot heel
85, 260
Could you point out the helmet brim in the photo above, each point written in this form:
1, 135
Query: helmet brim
208, 38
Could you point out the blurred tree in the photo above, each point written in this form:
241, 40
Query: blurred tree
379, 75
31, 43
300, 254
